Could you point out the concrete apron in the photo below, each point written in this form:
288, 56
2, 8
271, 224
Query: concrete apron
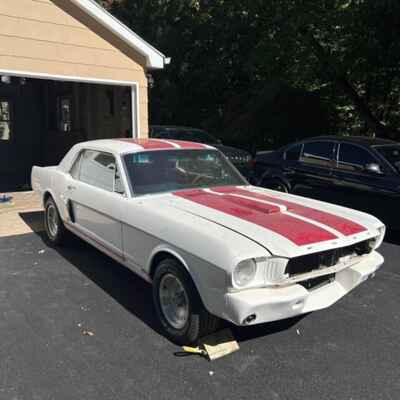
23, 215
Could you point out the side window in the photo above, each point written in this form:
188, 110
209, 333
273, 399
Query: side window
98, 169
318, 153
293, 152
75, 169
354, 158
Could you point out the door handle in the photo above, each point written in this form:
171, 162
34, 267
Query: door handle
71, 187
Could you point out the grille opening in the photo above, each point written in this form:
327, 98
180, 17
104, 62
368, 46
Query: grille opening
315, 283
328, 258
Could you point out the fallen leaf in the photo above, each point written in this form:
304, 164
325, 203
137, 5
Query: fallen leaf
87, 333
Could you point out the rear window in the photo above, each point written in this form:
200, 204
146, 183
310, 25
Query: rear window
293, 152
318, 153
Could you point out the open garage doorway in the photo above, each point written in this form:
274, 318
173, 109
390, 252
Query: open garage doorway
41, 119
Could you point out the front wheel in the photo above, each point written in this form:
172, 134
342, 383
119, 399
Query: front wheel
178, 306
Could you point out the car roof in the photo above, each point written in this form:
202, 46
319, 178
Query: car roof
368, 141
124, 145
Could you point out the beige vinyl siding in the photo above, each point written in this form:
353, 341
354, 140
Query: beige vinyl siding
54, 37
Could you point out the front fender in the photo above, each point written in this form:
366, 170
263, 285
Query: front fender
209, 280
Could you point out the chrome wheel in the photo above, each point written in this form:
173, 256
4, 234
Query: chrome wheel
174, 301
52, 220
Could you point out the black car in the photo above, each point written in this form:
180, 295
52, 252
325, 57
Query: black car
355, 171
241, 159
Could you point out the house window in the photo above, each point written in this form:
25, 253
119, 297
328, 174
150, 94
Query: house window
65, 114
5, 120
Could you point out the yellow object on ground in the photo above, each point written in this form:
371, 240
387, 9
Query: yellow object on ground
214, 346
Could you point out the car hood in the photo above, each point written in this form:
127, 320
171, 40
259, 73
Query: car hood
285, 225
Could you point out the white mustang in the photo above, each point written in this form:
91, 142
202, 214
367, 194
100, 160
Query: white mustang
180, 215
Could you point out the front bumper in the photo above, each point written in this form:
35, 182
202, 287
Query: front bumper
271, 304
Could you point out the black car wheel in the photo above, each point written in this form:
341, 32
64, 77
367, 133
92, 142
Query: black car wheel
178, 306
275, 184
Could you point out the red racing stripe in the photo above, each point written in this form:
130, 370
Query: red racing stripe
160, 144
343, 225
149, 144
293, 229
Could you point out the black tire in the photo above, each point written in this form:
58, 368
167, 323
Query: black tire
56, 234
275, 184
199, 322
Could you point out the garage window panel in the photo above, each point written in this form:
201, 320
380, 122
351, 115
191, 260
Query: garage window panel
5, 120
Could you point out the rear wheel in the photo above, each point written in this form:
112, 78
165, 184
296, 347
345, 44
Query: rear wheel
275, 184
179, 308
54, 226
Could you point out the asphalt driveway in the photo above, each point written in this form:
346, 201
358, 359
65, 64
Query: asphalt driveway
76, 325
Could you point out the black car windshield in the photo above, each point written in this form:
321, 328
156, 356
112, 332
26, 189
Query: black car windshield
391, 153
170, 170
190, 135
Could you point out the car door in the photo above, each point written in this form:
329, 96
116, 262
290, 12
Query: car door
96, 199
314, 167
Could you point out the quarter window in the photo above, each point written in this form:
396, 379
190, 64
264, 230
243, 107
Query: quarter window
354, 157
318, 153
293, 153
99, 169
75, 170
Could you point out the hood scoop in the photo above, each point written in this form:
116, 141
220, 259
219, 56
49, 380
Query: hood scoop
250, 205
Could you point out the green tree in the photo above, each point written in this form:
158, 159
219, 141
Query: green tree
238, 64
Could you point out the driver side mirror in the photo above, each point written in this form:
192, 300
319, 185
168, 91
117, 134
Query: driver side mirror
373, 169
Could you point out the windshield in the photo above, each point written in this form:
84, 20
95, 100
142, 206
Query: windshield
195, 135
391, 153
171, 170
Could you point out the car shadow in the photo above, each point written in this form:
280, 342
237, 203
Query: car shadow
119, 282
34, 219
135, 294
